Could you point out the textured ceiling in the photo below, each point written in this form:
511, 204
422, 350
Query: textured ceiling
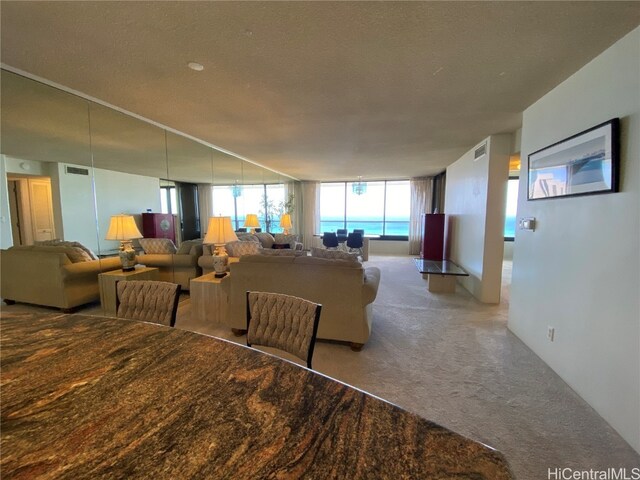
318, 90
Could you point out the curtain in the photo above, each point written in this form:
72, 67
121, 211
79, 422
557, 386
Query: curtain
420, 204
205, 205
439, 183
310, 212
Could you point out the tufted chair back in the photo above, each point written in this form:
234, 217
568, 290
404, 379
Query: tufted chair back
148, 300
284, 322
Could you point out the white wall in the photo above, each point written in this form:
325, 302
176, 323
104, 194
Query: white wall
579, 271
115, 193
474, 203
388, 247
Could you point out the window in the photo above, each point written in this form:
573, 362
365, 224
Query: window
382, 209
168, 202
237, 201
512, 206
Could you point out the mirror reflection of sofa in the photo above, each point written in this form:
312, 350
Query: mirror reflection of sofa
345, 289
176, 265
54, 274
253, 244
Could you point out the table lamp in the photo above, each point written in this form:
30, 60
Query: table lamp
251, 221
285, 223
220, 232
123, 227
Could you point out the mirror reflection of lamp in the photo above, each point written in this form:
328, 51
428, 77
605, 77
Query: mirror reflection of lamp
251, 221
285, 223
123, 228
220, 232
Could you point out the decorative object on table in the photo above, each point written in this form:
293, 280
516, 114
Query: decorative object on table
359, 187
124, 228
251, 221
220, 232
285, 223
583, 164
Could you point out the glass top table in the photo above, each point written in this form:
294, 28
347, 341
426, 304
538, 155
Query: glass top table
439, 267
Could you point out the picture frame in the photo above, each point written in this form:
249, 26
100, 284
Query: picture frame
587, 163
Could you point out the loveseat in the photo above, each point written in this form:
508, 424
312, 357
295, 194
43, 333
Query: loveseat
252, 244
345, 289
174, 265
51, 276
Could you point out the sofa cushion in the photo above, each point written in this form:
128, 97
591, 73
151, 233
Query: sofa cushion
261, 258
239, 248
63, 243
157, 245
335, 254
187, 246
335, 262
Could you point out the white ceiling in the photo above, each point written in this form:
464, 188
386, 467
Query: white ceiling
318, 90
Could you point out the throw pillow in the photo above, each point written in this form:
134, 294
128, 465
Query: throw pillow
266, 239
282, 238
239, 248
340, 255
248, 237
62, 243
157, 245
185, 247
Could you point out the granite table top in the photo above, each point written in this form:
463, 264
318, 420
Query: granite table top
91, 397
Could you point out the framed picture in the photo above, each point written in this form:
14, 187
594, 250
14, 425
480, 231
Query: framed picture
584, 164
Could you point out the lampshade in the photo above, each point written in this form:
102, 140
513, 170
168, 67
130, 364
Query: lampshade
219, 231
122, 227
285, 221
251, 220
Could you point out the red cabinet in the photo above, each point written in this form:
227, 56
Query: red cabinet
433, 236
158, 225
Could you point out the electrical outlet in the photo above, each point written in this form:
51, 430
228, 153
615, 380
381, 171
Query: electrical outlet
551, 333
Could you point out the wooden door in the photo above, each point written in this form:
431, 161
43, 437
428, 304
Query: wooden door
41, 210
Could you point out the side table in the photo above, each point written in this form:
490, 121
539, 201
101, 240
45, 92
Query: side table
108, 280
208, 299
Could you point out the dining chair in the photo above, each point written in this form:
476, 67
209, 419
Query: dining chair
358, 230
355, 242
330, 240
342, 235
148, 300
284, 322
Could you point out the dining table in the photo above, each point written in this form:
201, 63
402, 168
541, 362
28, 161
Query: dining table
88, 397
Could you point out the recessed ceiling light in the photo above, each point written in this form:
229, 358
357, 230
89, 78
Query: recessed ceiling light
198, 67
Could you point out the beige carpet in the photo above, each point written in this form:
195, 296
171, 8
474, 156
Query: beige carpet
451, 359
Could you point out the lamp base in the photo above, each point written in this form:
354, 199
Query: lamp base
220, 260
127, 257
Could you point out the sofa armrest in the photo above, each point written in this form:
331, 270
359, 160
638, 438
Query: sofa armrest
370, 286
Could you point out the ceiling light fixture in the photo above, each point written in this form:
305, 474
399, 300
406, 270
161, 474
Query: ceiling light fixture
360, 187
198, 67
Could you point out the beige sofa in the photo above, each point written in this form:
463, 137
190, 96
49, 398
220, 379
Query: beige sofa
345, 289
179, 267
47, 276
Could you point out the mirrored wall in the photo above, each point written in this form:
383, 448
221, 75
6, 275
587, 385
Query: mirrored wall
93, 163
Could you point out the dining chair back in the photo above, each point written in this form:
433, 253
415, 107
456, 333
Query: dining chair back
330, 240
355, 242
284, 322
148, 300
342, 235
